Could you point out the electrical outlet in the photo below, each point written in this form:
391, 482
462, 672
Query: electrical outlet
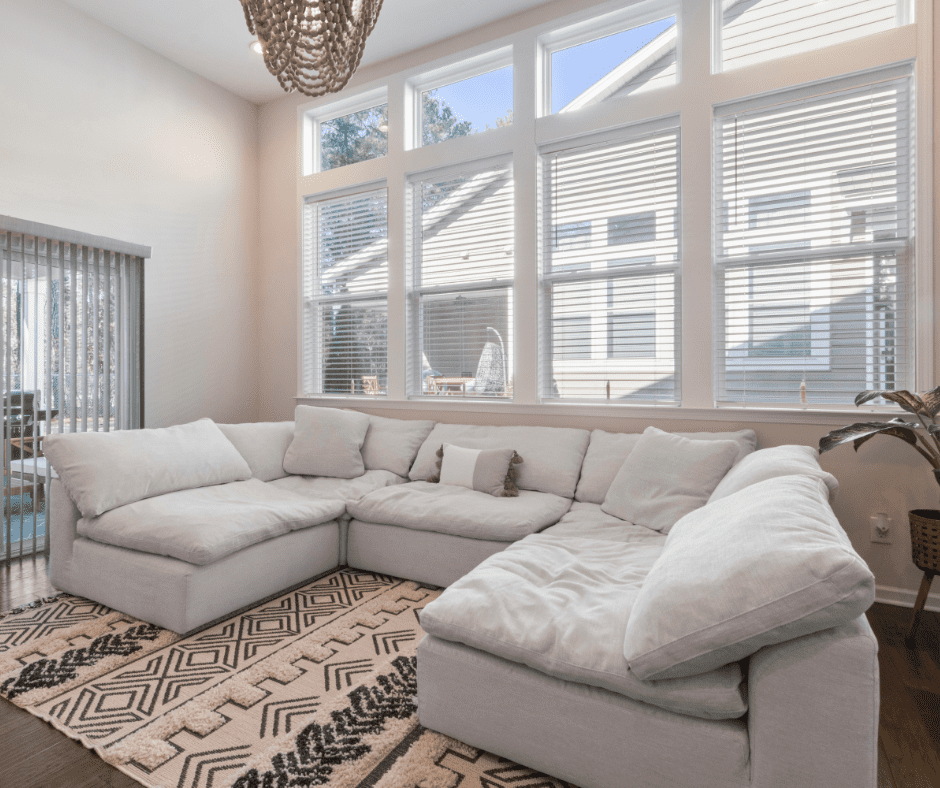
881, 528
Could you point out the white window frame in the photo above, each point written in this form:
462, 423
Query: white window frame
440, 77
592, 29
308, 303
315, 118
528, 36
415, 292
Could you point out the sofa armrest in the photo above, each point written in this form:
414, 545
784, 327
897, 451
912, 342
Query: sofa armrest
813, 710
63, 518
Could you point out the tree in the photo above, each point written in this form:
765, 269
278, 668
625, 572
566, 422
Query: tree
357, 137
439, 121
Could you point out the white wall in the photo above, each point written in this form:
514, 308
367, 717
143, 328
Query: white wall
885, 476
102, 135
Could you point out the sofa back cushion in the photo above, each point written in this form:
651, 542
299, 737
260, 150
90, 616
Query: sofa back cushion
327, 442
551, 456
608, 450
667, 476
764, 565
392, 444
263, 445
104, 470
772, 463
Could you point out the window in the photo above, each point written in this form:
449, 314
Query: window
461, 284
813, 281
346, 295
466, 107
752, 32
630, 61
749, 164
610, 325
352, 138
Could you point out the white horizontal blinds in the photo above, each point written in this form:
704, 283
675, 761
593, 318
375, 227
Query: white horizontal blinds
753, 31
814, 227
460, 299
346, 294
59, 331
610, 262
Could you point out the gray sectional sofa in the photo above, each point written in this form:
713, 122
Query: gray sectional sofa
727, 649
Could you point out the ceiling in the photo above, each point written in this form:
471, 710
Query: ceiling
210, 38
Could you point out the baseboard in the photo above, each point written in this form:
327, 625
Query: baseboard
904, 598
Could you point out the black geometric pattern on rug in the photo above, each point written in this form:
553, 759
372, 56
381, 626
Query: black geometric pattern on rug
161, 680
51, 614
388, 643
342, 672
318, 749
506, 774
204, 768
45, 672
276, 716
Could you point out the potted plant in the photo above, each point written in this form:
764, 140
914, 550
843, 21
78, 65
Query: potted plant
924, 436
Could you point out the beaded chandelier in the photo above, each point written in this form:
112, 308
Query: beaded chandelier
313, 46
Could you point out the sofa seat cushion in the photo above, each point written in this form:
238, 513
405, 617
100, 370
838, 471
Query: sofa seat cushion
458, 511
345, 490
589, 521
203, 525
560, 604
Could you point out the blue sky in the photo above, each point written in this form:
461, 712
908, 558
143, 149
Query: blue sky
484, 98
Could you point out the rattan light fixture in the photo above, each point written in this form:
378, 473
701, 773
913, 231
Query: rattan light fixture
313, 46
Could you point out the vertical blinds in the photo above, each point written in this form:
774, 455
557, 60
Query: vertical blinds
814, 258
70, 322
755, 32
610, 261
345, 244
460, 298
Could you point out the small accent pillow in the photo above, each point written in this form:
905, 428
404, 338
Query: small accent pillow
485, 470
665, 477
771, 463
767, 564
327, 442
104, 470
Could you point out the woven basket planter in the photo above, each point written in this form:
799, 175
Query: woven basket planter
925, 539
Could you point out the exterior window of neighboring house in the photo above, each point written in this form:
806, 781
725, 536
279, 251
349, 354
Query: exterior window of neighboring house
752, 32
572, 337
585, 69
812, 293
455, 109
461, 283
632, 229
610, 327
357, 136
346, 294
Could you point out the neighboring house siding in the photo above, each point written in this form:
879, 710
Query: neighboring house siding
657, 75
758, 30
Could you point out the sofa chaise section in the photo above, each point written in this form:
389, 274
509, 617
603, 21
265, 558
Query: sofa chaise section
177, 594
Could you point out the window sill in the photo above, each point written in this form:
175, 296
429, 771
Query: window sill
735, 415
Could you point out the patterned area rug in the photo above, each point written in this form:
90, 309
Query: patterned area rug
313, 688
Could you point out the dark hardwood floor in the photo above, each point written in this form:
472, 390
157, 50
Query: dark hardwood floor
34, 755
